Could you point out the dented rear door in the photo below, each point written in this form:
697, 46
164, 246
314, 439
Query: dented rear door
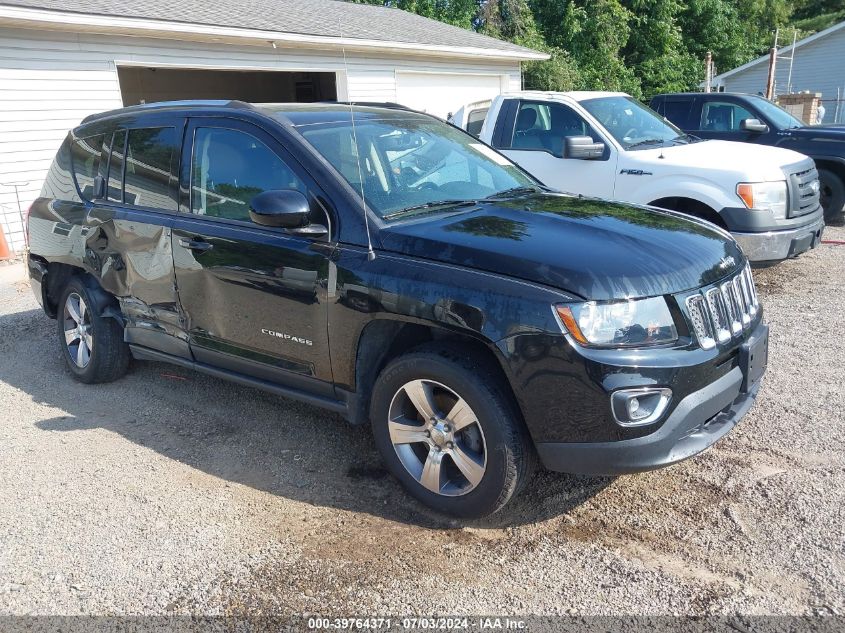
130, 223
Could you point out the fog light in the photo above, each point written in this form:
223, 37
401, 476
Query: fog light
640, 406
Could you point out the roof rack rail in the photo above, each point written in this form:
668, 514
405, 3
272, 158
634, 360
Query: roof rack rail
374, 104
208, 103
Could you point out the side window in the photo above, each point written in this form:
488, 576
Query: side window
719, 116
679, 112
544, 126
475, 121
115, 176
149, 155
85, 157
229, 168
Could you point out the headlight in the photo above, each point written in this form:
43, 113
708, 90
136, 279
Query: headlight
764, 195
619, 323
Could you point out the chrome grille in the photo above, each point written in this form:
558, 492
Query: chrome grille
803, 190
721, 312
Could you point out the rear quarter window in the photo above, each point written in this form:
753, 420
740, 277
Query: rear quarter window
85, 158
59, 185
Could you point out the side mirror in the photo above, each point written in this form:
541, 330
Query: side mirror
755, 126
582, 148
285, 208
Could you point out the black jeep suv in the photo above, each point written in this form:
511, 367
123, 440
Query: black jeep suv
385, 265
753, 119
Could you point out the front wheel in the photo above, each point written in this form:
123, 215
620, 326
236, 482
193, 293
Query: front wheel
832, 195
91, 345
448, 432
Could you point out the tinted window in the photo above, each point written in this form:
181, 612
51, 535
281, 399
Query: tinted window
678, 111
85, 155
475, 121
148, 165
229, 168
720, 116
115, 178
544, 126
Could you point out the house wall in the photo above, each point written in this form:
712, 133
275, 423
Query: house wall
50, 81
817, 67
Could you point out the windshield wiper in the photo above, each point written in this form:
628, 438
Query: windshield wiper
513, 191
648, 141
429, 205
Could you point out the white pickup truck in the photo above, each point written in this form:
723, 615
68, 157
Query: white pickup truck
608, 145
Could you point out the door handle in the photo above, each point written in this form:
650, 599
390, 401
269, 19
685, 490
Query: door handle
195, 245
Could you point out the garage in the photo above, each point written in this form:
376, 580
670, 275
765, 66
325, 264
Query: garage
60, 64
146, 85
452, 91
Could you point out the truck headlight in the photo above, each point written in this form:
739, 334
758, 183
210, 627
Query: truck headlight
764, 195
627, 323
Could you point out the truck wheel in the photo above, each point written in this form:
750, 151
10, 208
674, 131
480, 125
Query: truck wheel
92, 345
832, 194
446, 430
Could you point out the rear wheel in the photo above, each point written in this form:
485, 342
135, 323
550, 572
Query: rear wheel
832, 194
91, 345
447, 432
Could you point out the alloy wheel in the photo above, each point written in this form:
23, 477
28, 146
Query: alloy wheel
437, 437
79, 337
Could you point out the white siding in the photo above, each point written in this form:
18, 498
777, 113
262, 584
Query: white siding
49, 81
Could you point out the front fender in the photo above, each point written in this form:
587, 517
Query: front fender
700, 189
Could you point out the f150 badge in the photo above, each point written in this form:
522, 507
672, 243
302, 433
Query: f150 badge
287, 337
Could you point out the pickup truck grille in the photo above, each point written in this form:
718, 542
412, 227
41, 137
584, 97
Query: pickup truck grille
724, 311
803, 190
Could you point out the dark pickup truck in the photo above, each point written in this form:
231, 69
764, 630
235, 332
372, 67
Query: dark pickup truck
753, 119
385, 265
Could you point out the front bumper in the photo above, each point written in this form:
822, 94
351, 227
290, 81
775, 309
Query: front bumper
696, 423
771, 246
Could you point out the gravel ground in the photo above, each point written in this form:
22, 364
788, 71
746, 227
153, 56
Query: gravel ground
169, 492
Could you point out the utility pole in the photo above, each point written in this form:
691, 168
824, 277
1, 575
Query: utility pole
708, 72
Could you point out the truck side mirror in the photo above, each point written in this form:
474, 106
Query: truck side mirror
755, 126
582, 148
284, 208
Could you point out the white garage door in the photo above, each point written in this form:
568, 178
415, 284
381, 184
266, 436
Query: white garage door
441, 94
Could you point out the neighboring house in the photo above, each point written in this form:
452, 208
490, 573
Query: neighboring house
60, 61
817, 67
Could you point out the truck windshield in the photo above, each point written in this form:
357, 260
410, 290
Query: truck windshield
414, 163
777, 116
632, 124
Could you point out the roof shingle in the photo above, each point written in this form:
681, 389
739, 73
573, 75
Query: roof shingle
322, 18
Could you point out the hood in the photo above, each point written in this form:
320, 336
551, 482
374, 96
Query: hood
595, 249
748, 161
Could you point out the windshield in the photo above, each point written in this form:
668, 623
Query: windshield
776, 115
413, 162
632, 124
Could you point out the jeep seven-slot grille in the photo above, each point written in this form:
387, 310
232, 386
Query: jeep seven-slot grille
804, 191
723, 311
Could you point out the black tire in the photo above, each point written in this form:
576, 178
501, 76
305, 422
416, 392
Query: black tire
108, 356
510, 457
832, 195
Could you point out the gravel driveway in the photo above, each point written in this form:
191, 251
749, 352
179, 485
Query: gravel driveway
169, 492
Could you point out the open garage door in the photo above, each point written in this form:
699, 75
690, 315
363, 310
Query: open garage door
442, 94
146, 85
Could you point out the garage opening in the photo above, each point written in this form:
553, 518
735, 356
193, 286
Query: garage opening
146, 85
